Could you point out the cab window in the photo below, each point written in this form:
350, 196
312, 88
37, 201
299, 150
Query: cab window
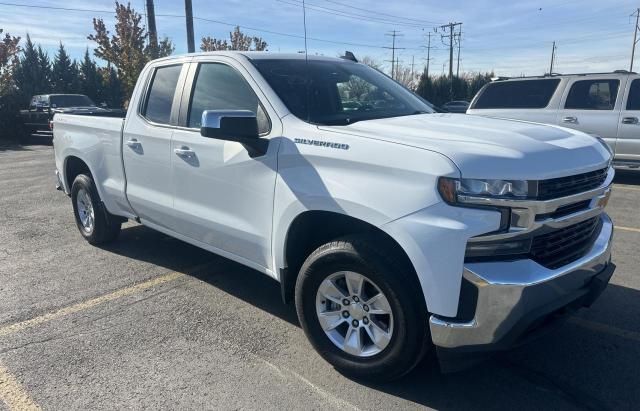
221, 87
160, 96
592, 95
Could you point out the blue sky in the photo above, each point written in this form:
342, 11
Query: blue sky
510, 38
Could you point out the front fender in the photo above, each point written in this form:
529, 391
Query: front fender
381, 183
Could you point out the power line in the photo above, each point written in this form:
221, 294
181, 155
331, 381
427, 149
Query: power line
224, 23
383, 14
354, 16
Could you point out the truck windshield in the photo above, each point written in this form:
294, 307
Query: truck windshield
338, 92
71, 101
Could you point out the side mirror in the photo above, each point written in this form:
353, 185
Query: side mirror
235, 125
230, 125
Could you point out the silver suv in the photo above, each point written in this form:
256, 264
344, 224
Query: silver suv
605, 105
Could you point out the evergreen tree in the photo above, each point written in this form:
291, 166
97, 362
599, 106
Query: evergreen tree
64, 73
44, 67
90, 80
112, 87
32, 74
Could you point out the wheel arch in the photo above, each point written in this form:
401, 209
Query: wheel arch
327, 226
74, 166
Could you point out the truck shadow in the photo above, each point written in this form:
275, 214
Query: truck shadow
591, 362
144, 244
627, 176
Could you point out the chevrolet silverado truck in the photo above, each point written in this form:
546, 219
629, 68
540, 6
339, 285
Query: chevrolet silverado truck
394, 229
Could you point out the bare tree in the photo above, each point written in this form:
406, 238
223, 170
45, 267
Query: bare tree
126, 49
9, 49
237, 41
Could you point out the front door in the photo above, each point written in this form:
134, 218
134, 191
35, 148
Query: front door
223, 197
628, 144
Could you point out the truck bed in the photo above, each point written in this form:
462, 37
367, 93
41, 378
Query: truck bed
96, 140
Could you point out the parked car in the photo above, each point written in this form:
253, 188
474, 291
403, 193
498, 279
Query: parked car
457, 106
606, 105
396, 231
43, 107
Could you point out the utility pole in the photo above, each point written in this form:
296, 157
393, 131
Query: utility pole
451, 37
393, 34
459, 41
451, 40
188, 9
153, 33
635, 38
412, 65
428, 52
553, 57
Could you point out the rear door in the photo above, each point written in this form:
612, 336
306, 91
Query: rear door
628, 143
223, 196
147, 144
592, 105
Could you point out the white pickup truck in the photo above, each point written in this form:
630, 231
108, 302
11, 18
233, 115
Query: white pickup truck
393, 228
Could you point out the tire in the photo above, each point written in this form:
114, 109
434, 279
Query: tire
94, 222
407, 325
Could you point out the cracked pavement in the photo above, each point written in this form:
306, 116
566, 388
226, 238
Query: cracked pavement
219, 337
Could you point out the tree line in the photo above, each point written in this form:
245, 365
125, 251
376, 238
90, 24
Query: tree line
109, 72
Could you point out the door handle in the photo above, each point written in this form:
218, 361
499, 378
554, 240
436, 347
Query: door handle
629, 120
134, 143
184, 152
570, 119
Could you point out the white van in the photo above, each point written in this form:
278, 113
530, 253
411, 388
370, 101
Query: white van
605, 105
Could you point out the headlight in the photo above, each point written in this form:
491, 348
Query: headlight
451, 188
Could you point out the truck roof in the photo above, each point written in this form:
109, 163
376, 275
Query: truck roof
255, 55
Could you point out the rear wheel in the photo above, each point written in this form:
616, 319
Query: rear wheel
363, 312
95, 223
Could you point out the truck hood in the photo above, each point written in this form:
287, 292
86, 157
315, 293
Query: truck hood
490, 148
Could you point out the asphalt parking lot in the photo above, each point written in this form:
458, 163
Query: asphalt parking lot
151, 322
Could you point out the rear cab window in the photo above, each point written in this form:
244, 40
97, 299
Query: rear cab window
159, 102
598, 94
517, 94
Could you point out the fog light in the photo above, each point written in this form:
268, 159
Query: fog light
494, 248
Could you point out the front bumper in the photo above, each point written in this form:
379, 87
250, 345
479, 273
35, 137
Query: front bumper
509, 298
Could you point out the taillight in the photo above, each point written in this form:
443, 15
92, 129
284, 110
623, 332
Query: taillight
51, 125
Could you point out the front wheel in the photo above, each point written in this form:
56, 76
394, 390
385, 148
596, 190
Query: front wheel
363, 312
95, 223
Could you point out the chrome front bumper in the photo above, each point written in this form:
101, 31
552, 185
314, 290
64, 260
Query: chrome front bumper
513, 295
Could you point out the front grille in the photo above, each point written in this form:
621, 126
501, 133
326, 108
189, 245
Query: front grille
565, 245
565, 210
566, 186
